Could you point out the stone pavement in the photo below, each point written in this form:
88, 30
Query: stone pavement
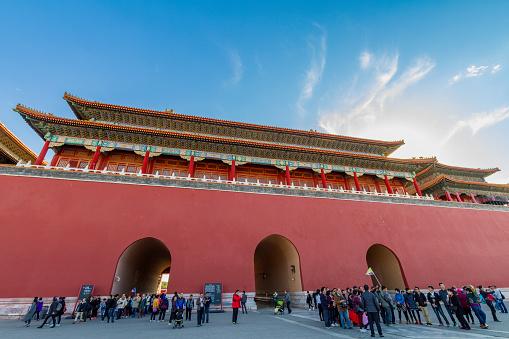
257, 324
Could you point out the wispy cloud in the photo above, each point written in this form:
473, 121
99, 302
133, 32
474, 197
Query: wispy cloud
478, 121
365, 59
367, 108
237, 67
475, 71
315, 71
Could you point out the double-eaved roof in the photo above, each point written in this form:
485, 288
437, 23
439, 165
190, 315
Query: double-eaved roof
12, 149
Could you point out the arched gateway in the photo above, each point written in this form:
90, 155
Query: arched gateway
140, 266
386, 266
276, 266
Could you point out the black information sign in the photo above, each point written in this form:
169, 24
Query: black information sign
85, 292
215, 292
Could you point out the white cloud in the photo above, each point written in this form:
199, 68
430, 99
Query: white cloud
366, 109
496, 69
237, 67
475, 71
365, 59
315, 71
478, 121
454, 79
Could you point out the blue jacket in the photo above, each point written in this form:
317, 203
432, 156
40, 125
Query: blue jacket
399, 298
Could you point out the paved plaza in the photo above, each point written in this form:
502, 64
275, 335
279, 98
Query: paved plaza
257, 324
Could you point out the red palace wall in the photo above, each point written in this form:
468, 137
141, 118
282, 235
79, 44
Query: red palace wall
59, 234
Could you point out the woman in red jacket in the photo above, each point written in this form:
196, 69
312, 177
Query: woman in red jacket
235, 305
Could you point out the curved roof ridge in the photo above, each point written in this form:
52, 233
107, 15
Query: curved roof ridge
68, 96
486, 170
18, 142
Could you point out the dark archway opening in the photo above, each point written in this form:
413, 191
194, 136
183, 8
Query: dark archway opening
141, 266
277, 266
386, 266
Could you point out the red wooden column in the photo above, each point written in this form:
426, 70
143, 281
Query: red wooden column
388, 184
96, 157
145, 162
288, 181
458, 197
417, 189
377, 186
103, 162
190, 172
232, 171
54, 159
357, 185
322, 174
315, 181
448, 195
41, 156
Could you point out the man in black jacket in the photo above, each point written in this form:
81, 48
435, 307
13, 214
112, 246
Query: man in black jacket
422, 303
444, 296
52, 312
434, 300
485, 294
371, 306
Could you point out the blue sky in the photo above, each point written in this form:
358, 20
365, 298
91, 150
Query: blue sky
433, 73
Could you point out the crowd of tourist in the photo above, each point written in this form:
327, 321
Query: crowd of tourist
117, 307
364, 307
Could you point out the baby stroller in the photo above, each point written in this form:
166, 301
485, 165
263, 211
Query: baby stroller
178, 320
279, 308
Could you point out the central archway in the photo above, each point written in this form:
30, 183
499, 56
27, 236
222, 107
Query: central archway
276, 266
386, 266
140, 266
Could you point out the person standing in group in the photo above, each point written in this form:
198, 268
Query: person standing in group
60, 310
286, 298
434, 300
318, 302
500, 299
30, 313
235, 305
189, 307
39, 308
422, 303
372, 307
386, 303
462, 296
488, 297
358, 308
342, 306
200, 305
444, 296
155, 308
136, 304
52, 312
113, 307
205, 313
79, 311
243, 302
121, 304
180, 303
102, 307
173, 309
164, 307
325, 307
105, 312
412, 306
399, 299
142, 306
455, 304
475, 304
332, 308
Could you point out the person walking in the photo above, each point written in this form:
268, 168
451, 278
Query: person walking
30, 313
235, 305
286, 298
444, 296
475, 305
275, 299
399, 299
52, 312
455, 304
434, 300
488, 297
371, 305
500, 299
79, 311
243, 302
39, 308
200, 305
189, 307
